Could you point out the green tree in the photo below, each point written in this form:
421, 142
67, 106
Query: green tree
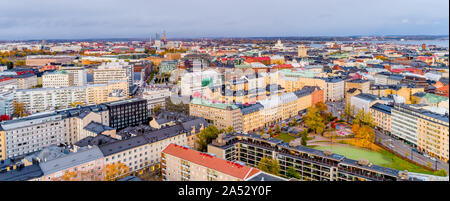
277, 129
229, 129
314, 120
205, 137
441, 173
304, 136
269, 165
291, 173
157, 109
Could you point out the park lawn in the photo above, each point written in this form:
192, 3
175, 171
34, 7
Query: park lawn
382, 158
285, 137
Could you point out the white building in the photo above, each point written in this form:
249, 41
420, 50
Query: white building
77, 75
363, 101
156, 96
55, 79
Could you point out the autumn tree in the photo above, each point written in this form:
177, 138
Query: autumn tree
229, 129
115, 171
157, 109
269, 165
277, 129
205, 137
314, 120
19, 109
347, 114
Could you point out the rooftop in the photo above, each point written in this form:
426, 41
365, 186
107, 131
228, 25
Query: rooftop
209, 161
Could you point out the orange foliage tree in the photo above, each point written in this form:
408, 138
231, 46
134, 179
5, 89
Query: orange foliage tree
115, 171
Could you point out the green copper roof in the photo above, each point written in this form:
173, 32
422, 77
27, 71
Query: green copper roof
433, 98
290, 73
200, 101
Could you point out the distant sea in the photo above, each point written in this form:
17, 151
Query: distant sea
439, 43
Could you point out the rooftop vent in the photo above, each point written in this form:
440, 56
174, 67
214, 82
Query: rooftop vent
363, 162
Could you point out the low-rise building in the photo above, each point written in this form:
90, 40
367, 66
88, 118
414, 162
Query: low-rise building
179, 163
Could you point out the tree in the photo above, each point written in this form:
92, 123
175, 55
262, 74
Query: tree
348, 113
230, 129
277, 129
314, 120
205, 137
293, 122
19, 109
291, 173
269, 165
304, 137
115, 171
157, 109
366, 135
441, 173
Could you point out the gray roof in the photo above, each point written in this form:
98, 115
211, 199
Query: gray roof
97, 128
130, 178
71, 160
97, 140
263, 176
122, 145
22, 173
382, 108
366, 96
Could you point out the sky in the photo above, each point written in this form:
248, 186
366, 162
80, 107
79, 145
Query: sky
84, 19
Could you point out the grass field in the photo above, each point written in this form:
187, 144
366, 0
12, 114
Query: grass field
285, 137
383, 158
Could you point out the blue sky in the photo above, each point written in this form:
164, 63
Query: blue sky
75, 19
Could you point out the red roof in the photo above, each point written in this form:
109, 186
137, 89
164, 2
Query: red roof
209, 161
4, 79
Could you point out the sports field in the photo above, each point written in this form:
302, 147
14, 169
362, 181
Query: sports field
382, 158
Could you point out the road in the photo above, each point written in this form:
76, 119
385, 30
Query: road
406, 151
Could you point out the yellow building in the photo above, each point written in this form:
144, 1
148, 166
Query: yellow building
432, 135
222, 115
381, 115
363, 85
405, 92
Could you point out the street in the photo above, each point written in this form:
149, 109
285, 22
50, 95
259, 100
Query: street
406, 151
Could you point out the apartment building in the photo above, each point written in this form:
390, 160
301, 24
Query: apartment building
179, 163
125, 113
77, 75
83, 165
26, 80
29, 134
144, 149
46, 99
363, 102
335, 89
114, 71
432, 134
156, 97
311, 164
55, 79
381, 115
42, 60
363, 85
26, 135
7, 103
220, 114
405, 121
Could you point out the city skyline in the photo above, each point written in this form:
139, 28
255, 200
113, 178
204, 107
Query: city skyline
200, 19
